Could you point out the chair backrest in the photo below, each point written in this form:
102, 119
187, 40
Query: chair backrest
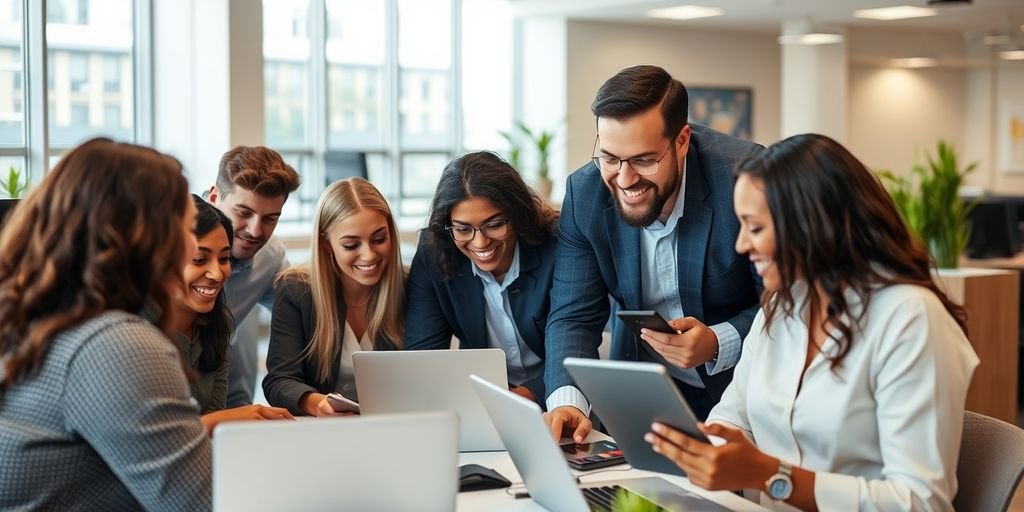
991, 463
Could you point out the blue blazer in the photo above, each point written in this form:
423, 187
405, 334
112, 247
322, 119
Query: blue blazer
599, 255
437, 308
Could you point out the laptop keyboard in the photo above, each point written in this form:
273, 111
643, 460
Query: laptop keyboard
600, 499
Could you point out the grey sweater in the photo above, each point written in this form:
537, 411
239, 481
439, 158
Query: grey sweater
107, 423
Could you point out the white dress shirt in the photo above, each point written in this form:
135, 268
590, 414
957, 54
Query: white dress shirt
881, 431
523, 365
347, 374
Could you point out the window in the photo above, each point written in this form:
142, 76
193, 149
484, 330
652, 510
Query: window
86, 84
90, 89
383, 83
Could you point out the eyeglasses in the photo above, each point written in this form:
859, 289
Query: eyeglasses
494, 230
643, 166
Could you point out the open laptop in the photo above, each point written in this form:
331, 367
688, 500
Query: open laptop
546, 473
431, 380
387, 462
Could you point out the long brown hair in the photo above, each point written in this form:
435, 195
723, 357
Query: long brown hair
101, 232
835, 227
386, 308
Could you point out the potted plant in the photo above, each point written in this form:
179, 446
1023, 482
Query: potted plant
541, 144
934, 210
14, 186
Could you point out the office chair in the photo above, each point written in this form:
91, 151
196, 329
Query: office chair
339, 165
991, 463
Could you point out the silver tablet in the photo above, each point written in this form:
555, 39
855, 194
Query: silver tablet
628, 397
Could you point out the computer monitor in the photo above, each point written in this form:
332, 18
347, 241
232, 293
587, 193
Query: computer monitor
994, 231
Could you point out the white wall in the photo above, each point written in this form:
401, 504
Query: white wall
598, 50
1006, 79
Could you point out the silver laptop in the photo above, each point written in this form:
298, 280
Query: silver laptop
546, 473
430, 380
387, 462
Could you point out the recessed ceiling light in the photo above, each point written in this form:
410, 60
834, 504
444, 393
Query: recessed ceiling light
811, 38
915, 62
685, 12
900, 12
1012, 55
998, 39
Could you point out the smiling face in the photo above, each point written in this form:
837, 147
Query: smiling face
642, 199
492, 255
362, 247
253, 218
207, 271
757, 229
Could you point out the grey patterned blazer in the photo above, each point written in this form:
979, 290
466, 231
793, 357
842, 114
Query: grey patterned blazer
107, 423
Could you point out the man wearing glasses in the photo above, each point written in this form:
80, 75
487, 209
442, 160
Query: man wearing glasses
650, 222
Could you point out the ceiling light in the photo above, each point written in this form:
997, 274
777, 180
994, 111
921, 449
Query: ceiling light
915, 62
1012, 55
900, 12
685, 12
998, 39
811, 38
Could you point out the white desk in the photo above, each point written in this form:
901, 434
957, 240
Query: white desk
500, 500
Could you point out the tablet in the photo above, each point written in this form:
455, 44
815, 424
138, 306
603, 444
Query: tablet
629, 396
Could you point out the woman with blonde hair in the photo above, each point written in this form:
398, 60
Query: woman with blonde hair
350, 298
95, 409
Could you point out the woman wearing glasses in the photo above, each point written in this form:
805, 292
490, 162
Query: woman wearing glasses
483, 268
350, 298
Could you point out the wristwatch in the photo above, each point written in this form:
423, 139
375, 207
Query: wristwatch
780, 485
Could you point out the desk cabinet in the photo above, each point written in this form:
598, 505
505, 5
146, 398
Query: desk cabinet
991, 297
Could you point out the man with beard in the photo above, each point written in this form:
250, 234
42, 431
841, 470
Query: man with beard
253, 184
650, 222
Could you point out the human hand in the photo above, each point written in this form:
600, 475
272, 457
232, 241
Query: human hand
693, 345
737, 464
244, 413
324, 408
524, 392
569, 419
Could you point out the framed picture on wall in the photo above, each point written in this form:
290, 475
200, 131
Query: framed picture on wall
726, 109
1011, 137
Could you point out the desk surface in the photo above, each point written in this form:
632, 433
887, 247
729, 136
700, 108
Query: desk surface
500, 500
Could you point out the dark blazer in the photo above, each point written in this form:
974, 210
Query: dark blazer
437, 307
289, 375
599, 254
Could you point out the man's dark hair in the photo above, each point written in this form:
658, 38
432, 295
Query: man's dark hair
635, 90
257, 169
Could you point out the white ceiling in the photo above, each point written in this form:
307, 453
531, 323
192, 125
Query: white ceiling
974, 19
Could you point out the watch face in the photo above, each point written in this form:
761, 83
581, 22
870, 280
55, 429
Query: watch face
779, 488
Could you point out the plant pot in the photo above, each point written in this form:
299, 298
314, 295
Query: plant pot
543, 186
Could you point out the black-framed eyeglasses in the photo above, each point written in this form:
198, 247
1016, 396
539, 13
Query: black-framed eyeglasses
644, 166
494, 230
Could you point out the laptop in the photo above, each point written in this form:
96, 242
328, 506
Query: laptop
546, 473
431, 380
388, 462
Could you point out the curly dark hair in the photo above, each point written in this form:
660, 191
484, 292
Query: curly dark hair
484, 174
836, 226
101, 232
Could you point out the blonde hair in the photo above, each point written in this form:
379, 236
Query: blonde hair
386, 306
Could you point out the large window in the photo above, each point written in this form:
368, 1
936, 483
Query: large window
392, 89
89, 53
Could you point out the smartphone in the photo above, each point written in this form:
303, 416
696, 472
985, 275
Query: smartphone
585, 456
341, 404
645, 319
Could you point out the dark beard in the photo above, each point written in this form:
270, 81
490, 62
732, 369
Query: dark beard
648, 217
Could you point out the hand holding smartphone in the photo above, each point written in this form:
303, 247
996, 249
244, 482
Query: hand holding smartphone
341, 404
